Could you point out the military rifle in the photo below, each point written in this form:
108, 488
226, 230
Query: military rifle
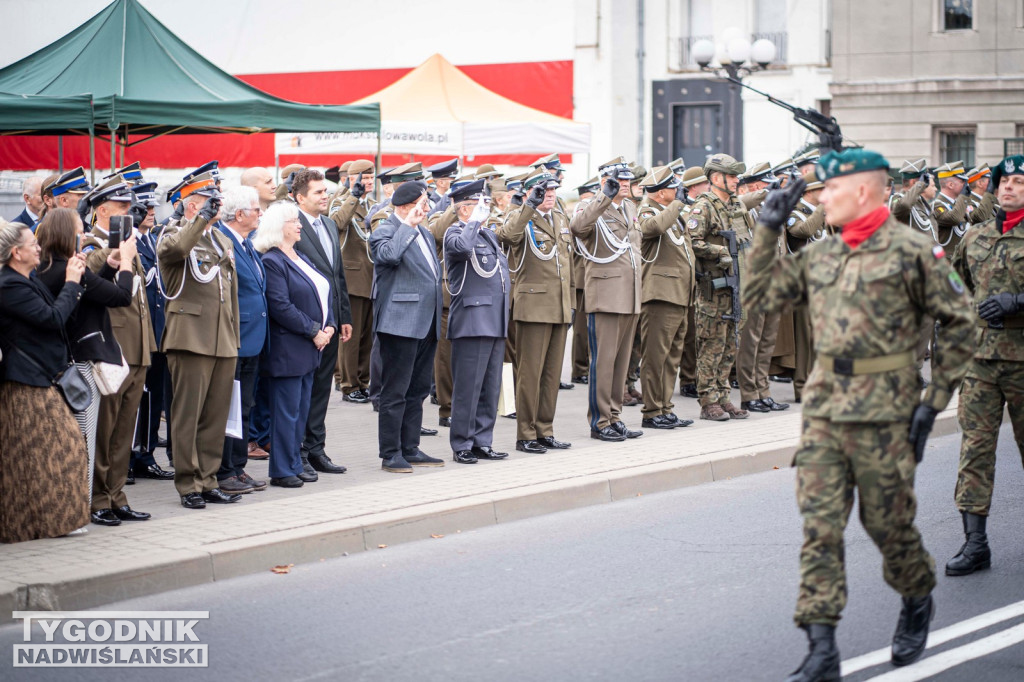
731, 282
830, 137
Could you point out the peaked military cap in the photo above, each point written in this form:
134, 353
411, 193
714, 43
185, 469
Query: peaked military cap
145, 194
723, 163
759, 172
131, 173
551, 162
208, 167
114, 189
174, 193
72, 181
913, 169
410, 192
385, 175
333, 174
487, 171
953, 169
849, 161
809, 156
496, 184
694, 176
619, 165
978, 172
592, 185
410, 171
515, 182
469, 191
204, 185
540, 176
358, 167
677, 166
783, 167
1011, 165
660, 177
811, 178
445, 169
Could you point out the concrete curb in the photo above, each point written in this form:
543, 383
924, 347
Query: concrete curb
173, 569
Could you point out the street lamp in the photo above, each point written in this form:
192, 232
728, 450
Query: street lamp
734, 57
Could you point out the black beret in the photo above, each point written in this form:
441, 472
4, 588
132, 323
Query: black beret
408, 193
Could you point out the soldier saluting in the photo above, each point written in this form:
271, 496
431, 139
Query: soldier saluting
865, 423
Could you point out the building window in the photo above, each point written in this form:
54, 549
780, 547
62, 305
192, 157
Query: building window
957, 15
956, 144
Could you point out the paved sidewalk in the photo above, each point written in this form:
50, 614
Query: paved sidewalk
367, 508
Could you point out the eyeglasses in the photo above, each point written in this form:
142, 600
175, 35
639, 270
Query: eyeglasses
257, 209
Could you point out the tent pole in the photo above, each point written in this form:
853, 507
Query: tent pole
60, 154
113, 150
92, 155
124, 143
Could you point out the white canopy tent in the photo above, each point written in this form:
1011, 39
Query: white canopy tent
436, 109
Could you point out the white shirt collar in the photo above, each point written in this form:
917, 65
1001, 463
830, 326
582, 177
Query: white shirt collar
310, 218
238, 236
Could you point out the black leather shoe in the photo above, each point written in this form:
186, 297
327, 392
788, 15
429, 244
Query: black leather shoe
445, 422
780, 379
679, 422
161, 443
608, 433
464, 457
130, 480
531, 446
621, 428
356, 397
689, 391
153, 471
105, 517
487, 452
126, 513
582, 379
822, 661
911, 634
424, 431
510, 415
287, 482
562, 386
754, 406
218, 496
193, 501
658, 422
422, 459
308, 474
396, 465
324, 465
975, 554
551, 443
774, 406
434, 400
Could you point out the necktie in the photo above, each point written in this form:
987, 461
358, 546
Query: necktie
325, 239
255, 260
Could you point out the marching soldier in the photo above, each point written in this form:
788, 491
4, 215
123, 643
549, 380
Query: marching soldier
989, 258
950, 205
912, 205
696, 183
718, 316
608, 237
541, 249
580, 348
865, 420
982, 201
667, 294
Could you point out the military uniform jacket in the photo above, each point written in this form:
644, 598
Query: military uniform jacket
865, 303
708, 217
541, 252
912, 209
479, 304
950, 220
668, 272
981, 208
805, 224
350, 217
132, 325
579, 263
438, 224
613, 287
203, 317
990, 263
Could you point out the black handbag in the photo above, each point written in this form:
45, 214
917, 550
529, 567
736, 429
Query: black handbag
70, 382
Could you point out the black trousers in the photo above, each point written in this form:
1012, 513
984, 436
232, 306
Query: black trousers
405, 367
374, 391
323, 384
236, 450
476, 383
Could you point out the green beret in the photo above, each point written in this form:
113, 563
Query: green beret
849, 161
1011, 165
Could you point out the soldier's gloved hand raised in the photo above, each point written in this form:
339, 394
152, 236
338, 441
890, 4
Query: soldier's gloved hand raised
481, 212
780, 203
517, 199
179, 211
611, 186
920, 426
926, 178
536, 197
998, 306
358, 190
83, 210
682, 192
725, 260
210, 209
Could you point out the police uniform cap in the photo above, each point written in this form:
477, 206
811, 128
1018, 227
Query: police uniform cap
469, 191
73, 181
174, 193
358, 167
811, 178
445, 169
408, 193
849, 161
208, 167
131, 173
291, 168
487, 171
540, 176
384, 175
114, 189
723, 163
1011, 165
660, 177
913, 169
203, 185
677, 166
592, 185
617, 164
694, 176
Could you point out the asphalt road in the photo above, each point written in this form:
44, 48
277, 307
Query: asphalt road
695, 584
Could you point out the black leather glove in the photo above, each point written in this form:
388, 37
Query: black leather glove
517, 199
138, 212
920, 426
611, 186
536, 197
83, 210
998, 306
780, 203
966, 191
926, 178
179, 211
682, 192
358, 190
210, 209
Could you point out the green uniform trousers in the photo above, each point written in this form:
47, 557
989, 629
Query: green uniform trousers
663, 328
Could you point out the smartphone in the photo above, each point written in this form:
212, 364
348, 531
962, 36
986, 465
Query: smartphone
78, 243
120, 228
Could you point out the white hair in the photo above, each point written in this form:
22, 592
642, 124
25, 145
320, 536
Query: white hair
236, 198
10, 236
32, 185
271, 229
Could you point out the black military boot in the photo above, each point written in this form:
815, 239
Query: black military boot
912, 630
975, 554
822, 662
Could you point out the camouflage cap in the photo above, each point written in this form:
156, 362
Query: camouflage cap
723, 163
849, 161
1011, 165
694, 176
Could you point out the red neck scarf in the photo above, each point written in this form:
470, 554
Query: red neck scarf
1012, 219
856, 232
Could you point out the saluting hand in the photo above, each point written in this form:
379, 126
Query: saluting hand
611, 186
780, 203
358, 190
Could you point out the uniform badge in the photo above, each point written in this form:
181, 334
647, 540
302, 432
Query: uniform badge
692, 224
940, 209
938, 252
791, 221
565, 230
956, 283
695, 211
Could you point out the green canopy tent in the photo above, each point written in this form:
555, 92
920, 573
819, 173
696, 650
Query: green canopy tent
123, 72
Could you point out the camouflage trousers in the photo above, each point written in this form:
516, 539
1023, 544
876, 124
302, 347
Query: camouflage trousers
989, 385
716, 353
875, 459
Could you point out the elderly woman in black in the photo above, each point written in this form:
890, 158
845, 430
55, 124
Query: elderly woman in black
43, 459
89, 333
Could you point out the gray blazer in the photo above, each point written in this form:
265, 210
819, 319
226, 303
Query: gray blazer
479, 304
406, 292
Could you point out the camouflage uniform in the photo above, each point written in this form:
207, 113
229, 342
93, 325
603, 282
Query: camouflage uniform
716, 337
867, 306
990, 263
806, 224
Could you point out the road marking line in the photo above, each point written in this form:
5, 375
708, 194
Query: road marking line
938, 637
938, 663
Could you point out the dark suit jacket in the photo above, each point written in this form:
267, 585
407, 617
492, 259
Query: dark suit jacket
479, 304
309, 246
89, 331
295, 316
24, 218
406, 292
146, 245
252, 301
32, 319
